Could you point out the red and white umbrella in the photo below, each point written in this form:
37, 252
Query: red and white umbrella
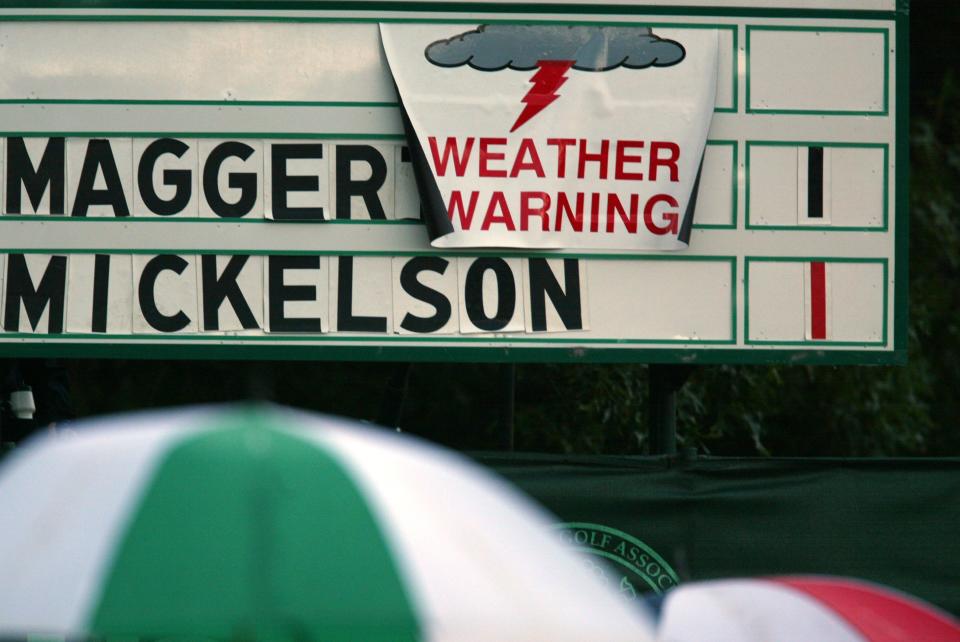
799, 609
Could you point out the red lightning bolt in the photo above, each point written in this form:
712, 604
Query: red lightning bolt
548, 79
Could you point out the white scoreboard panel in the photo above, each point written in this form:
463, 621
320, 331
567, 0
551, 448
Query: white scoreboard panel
230, 180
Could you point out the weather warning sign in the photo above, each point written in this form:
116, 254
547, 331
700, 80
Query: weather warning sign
546, 136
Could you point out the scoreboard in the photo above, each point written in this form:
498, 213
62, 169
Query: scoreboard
233, 180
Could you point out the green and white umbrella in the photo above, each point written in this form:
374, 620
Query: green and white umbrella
262, 523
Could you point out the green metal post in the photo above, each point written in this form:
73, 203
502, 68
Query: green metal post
508, 393
664, 382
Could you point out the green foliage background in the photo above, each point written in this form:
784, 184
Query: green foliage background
728, 410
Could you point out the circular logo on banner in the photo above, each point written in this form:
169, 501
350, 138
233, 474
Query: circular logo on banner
630, 566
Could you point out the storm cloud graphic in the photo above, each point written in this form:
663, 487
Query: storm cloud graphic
553, 50
524, 47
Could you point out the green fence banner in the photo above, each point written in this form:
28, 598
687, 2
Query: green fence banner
658, 522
